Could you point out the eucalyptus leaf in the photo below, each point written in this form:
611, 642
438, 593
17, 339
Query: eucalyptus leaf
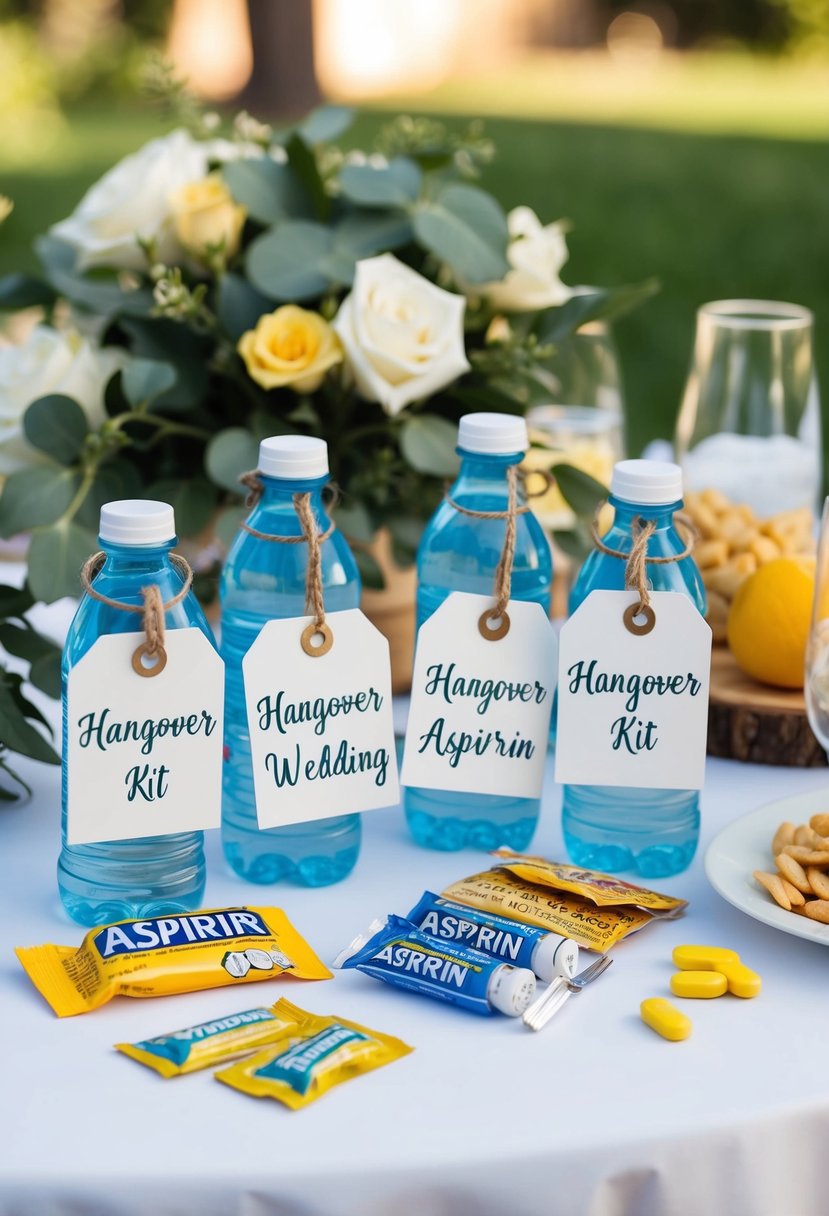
361, 234
428, 444
18, 734
193, 500
56, 555
371, 574
304, 164
166, 341
575, 542
239, 305
325, 124
24, 642
98, 295
394, 185
56, 425
33, 498
355, 522
143, 380
579, 490
484, 397
285, 262
270, 191
406, 532
593, 304
45, 673
25, 291
467, 229
14, 601
15, 682
229, 454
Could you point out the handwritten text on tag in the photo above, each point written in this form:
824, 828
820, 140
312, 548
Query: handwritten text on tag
633, 710
144, 753
480, 710
321, 730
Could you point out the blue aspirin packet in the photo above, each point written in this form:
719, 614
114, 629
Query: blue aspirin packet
547, 954
400, 954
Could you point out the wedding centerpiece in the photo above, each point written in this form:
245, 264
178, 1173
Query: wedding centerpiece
214, 289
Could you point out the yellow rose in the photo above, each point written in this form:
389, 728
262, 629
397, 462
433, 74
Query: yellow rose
204, 214
290, 347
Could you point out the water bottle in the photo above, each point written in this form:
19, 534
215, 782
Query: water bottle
262, 581
130, 879
653, 832
460, 553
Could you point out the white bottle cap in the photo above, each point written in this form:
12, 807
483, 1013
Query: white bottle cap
553, 956
293, 457
511, 990
493, 434
652, 482
137, 521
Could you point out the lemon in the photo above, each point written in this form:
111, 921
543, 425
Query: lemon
768, 625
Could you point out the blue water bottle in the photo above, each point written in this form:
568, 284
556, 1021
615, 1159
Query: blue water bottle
459, 552
653, 832
128, 879
264, 580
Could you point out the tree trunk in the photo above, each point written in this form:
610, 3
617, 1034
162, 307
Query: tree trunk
283, 83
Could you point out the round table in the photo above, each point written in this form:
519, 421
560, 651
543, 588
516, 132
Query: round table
594, 1115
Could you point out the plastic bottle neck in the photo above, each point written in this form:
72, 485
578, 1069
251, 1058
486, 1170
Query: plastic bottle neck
136, 559
278, 492
480, 472
661, 514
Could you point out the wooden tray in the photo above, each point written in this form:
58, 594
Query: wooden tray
757, 723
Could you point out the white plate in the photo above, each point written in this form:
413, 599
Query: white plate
745, 845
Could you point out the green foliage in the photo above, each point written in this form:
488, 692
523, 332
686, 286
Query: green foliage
144, 380
395, 185
20, 720
34, 498
579, 490
428, 443
467, 229
57, 426
56, 555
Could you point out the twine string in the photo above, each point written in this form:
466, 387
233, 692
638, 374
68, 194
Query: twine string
310, 535
503, 571
151, 609
637, 559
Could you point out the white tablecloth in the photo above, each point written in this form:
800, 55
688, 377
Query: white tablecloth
594, 1115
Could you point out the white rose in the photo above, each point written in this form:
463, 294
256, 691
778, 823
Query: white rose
49, 362
402, 335
133, 199
536, 253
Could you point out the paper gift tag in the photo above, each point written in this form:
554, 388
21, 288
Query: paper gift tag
144, 754
480, 711
321, 730
633, 709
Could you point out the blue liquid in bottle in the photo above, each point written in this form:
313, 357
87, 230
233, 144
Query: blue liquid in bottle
263, 581
129, 879
654, 832
460, 553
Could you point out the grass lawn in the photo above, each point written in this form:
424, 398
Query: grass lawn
711, 214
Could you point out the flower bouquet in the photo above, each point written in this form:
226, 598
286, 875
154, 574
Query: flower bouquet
209, 291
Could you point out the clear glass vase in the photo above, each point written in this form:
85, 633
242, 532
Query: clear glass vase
749, 424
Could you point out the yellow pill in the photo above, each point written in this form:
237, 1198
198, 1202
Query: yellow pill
665, 1019
703, 958
742, 981
699, 984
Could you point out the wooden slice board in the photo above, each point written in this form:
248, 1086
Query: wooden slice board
755, 722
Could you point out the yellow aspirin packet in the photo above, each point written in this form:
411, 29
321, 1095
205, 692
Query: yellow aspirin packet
529, 890
210, 1043
170, 954
312, 1056
605, 890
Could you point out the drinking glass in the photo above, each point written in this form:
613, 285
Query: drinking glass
582, 420
816, 681
749, 424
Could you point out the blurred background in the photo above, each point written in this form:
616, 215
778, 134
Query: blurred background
685, 139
